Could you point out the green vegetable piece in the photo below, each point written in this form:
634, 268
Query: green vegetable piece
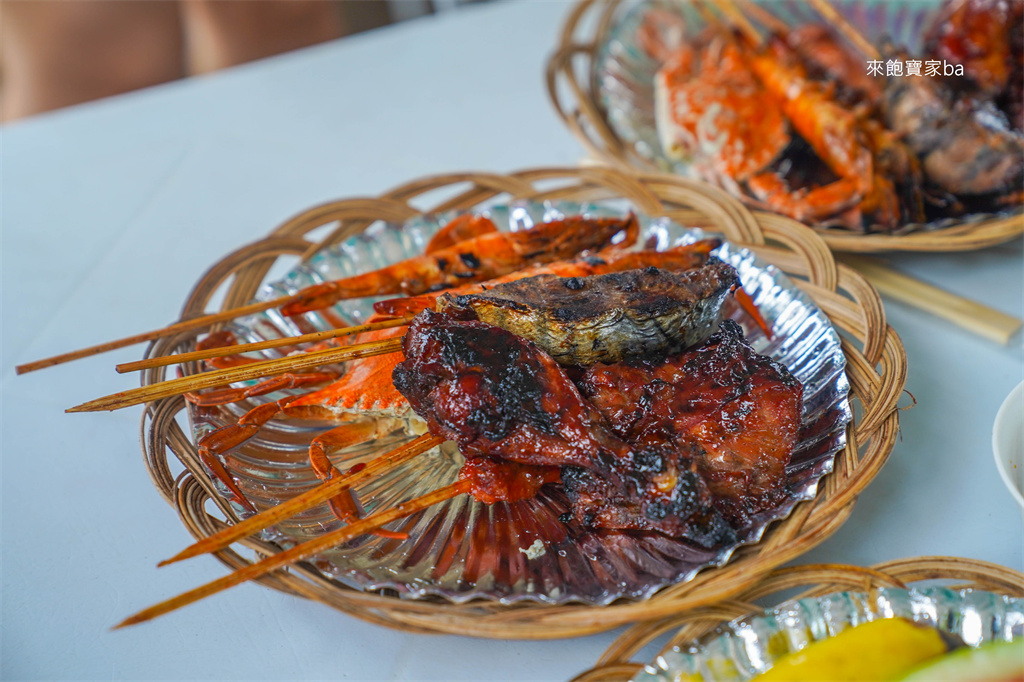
992, 662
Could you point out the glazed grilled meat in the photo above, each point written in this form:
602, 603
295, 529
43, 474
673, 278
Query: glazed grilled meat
665, 494
966, 128
500, 397
982, 36
689, 445
606, 318
721, 410
964, 145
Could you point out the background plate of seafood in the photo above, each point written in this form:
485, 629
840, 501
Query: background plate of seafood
463, 549
623, 75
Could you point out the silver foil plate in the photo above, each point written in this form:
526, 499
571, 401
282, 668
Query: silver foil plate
746, 647
463, 549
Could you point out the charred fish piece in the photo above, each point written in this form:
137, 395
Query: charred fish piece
606, 318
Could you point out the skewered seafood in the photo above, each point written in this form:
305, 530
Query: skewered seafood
683, 310
963, 150
349, 400
729, 108
480, 258
363, 401
486, 476
792, 122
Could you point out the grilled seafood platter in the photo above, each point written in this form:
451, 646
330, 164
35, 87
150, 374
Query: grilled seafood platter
792, 110
555, 402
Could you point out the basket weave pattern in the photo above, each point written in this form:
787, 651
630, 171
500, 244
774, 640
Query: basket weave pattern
876, 370
821, 579
573, 91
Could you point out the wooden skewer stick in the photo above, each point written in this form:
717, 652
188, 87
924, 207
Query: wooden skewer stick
970, 315
763, 17
257, 370
300, 552
740, 20
225, 351
706, 14
829, 14
308, 499
183, 326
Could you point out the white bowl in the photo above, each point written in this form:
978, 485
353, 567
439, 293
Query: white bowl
1008, 442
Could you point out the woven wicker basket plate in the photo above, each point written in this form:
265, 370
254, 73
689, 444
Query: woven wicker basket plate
875, 368
749, 646
463, 549
735, 641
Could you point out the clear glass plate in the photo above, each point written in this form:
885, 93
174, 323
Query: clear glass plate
624, 73
748, 646
463, 549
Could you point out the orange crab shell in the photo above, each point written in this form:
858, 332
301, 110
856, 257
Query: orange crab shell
712, 111
365, 389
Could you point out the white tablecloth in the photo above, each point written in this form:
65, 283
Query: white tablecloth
112, 210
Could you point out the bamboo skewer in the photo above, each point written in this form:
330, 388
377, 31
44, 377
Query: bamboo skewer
183, 326
822, 7
306, 500
299, 552
327, 293
733, 14
225, 351
763, 17
257, 370
706, 14
970, 315
829, 14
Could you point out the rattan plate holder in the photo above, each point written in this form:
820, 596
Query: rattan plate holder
818, 580
573, 91
876, 371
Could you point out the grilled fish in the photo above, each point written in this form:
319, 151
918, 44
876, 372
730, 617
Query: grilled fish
606, 318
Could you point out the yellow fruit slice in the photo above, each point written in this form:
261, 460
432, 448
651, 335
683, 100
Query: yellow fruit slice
878, 650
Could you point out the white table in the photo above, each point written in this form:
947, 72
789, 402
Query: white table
112, 210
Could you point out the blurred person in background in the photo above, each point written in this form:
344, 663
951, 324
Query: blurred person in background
55, 53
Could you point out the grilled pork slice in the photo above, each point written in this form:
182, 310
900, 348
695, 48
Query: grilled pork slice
732, 413
513, 410
606, 318
498, 395
663, 492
